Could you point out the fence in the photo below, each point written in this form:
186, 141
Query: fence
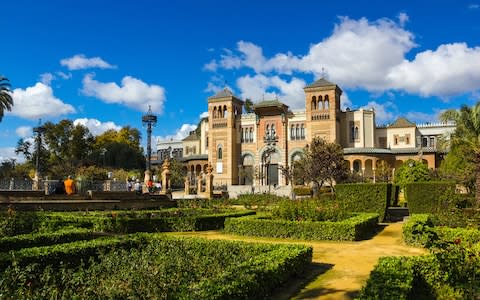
57, 187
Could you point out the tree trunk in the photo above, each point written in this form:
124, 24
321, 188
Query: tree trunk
477, 181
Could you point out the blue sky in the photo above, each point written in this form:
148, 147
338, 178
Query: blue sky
101, 63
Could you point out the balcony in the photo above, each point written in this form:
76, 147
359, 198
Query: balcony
321, 115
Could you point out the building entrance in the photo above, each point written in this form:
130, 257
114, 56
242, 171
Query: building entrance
272, 174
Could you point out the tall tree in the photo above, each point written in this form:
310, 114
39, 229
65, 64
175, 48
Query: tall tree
6, 100
248, 105
467, 134
324, 163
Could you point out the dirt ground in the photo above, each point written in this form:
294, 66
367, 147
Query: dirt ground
340, 268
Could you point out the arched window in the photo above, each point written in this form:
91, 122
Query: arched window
224, 111
272, 133
251, 135
326, 102
320, 103
219, 152
267, 131
302, 132
214, 114
297, 132
352, 133
242, 136
314, 103
356, 133
292, 132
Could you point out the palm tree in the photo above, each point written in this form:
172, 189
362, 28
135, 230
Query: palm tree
6, 100
467, 134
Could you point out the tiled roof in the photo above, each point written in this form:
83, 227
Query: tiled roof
222, 94
195, 157
388, 151
192, 137
401, 123
320, 83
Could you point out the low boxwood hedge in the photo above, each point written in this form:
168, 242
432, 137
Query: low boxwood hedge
357, 227
155, 266
45, 239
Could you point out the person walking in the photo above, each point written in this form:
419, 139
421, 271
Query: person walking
138, 187
69, 185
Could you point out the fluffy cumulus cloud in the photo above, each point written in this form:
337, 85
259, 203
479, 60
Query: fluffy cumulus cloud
204, 114
180, 133
38, 101
261, 87
449, 70
95, 126
8, 153
132, 92
80, 62
24, 131
370, 55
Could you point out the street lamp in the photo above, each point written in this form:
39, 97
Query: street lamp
39, 130
149, 120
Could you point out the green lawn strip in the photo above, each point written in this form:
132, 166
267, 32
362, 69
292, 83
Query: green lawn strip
356, 227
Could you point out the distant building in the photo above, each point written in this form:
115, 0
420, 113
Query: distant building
251, 148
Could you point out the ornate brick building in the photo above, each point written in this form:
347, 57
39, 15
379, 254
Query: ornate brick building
251, 148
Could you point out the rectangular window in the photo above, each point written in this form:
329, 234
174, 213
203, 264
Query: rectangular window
424, 141
432, 142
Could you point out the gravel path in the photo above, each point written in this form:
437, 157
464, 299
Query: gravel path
344, 267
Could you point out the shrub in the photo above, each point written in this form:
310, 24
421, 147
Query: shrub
418, 230
428, 197
302, 191
308, 210
45, 239
365, 197
155, 266
258, 200
354, 228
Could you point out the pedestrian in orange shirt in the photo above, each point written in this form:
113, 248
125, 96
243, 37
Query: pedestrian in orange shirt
69, 185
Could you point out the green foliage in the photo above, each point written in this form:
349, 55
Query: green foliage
322, 163
392, 278
6, 99
45, 239
426, 197
177, 174
459, 166
365, 197
354, 228
258, 201
418, 230
155, 266
308, 210
412, 171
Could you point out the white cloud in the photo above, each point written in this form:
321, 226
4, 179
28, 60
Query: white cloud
384, 112
204, 114
64, 75
38, 101
211, 66
260, 87
370, 55
47, 78
451, 69
474, 6
95, 126
403, 18
420, 117
8, 153
345, 102
80, 62
133, 93
180, 133
24, 131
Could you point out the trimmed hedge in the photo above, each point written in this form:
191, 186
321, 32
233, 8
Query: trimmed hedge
45, 239
156, 266
365, 197
428, 197
124, 221
419, 230
450, 274
354, 228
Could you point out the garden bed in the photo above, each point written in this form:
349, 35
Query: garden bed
152, 266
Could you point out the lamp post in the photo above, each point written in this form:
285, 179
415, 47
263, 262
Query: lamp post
149, 120
39, 130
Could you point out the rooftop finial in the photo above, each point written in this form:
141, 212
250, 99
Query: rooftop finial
323, 72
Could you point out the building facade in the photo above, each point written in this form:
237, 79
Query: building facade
253, 148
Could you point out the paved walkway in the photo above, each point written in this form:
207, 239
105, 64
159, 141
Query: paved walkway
344, 267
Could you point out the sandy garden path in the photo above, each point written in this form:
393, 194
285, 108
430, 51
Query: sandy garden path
342, 268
